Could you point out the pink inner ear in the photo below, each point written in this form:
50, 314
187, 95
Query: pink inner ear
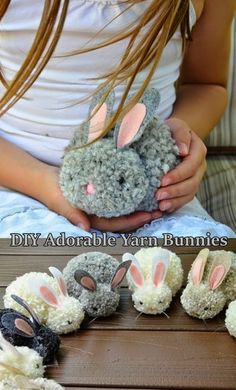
137, 277
88, 283
118, 277
48, 296
24, 327
130, 125
217, 277
197, 271
97, 122
159, 274
62, 286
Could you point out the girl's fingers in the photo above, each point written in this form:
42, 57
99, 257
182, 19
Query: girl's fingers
78, 218
190, 164
124, 223
187, 187
174, 204
181, 133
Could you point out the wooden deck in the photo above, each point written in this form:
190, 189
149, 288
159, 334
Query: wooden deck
127, 351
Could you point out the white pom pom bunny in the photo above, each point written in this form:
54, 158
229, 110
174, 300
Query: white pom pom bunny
23, 360
211, 284
230, 319
154, 277
49, 298
19, 382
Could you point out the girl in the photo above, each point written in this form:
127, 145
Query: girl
53, 55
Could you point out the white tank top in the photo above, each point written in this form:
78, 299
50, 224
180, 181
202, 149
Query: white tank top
44, 121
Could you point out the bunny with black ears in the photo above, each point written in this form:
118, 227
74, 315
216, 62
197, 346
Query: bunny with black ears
154, 277
49, 299
120, 173
21, 331
211, 284
94, 279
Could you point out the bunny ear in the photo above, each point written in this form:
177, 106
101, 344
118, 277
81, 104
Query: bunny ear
219, 269
8, 348
160, 265
44, 291
85, 280
19, 324
134, 270
11, 369
24, 383
98, 117
57, 274
27, 307
199, 266
134, 123
120, 273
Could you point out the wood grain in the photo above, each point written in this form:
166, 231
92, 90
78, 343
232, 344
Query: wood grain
181, 360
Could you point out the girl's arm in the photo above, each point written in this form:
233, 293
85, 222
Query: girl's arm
201, 100
21, 172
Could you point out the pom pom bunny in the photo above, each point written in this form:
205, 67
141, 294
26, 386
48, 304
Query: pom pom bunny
49, 298
20, 382
154, 277
211, 283
27, 361
94, 278
120, 173
21, 331
230, 318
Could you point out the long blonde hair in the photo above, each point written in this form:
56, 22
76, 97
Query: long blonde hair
163, 17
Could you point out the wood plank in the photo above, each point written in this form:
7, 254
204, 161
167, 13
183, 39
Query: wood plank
12, 266
180, 360
127, 318
6, 249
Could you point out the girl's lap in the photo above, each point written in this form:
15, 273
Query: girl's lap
21, 214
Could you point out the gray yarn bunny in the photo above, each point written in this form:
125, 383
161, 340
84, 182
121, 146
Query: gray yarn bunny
120, 173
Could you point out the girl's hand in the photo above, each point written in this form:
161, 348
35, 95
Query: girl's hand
180, 185
124, 223
53, 198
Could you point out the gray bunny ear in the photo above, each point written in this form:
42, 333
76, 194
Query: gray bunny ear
120, 273
93, 127
85, 280
132, 126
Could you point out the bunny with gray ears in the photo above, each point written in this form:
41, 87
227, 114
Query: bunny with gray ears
119, 173
94, 278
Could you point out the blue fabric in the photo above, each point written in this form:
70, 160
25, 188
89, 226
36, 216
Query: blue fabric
20, 214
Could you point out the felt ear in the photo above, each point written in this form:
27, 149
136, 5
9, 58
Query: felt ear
24, 383
44, 291
120, 273
57, 274
160, 265
18, 324
198, 266
15, 371
97, 120
132, 126
134, 270
219, 269
27, 307
85, 280
8, 347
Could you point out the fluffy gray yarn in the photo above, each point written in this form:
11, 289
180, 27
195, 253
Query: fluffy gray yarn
125, 179
104, 301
